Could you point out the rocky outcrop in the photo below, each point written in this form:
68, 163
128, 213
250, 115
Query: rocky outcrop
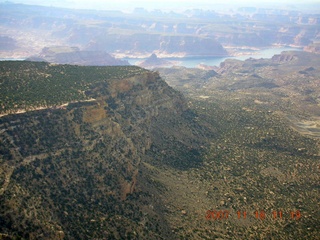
314, 48
284, 57
166, 45
153, 61
79, 165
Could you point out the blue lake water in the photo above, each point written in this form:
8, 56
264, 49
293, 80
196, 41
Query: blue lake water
192, 62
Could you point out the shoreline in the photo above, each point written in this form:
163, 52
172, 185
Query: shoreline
232, 51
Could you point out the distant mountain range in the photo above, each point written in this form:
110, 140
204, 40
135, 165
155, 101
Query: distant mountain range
26, 30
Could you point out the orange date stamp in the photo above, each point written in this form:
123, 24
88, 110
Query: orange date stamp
261, 214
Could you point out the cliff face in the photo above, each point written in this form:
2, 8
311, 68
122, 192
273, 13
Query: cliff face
73, 171
315, 48
196, 32
163, 44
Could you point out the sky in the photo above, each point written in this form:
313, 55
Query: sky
156, 4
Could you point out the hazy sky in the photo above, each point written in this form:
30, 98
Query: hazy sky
158, 4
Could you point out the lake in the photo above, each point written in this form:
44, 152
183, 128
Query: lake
192, 62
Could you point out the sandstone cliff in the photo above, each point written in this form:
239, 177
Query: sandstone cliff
74, 171
169, 45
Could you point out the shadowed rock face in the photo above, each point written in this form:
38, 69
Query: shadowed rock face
81, 164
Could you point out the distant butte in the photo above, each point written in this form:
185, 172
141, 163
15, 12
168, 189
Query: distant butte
153, 61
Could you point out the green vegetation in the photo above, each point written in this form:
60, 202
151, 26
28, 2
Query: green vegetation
74, 172
30, 85
264, 153
140, 164
256, 162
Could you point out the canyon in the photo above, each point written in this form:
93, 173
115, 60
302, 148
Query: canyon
142, 33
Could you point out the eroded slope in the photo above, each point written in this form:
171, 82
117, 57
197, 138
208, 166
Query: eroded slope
75, 172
